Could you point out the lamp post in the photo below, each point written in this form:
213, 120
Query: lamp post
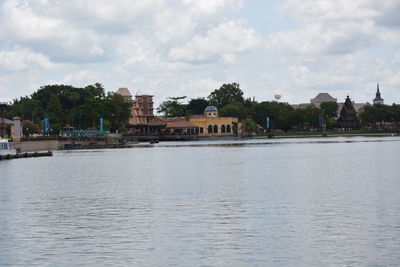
113, 122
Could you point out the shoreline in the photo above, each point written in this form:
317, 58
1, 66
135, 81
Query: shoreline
328, 135
51, 145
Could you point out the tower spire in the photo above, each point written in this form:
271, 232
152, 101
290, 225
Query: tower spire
378, 99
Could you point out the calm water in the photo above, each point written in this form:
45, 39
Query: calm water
294, 202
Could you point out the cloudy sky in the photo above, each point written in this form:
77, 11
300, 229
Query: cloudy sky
190, 47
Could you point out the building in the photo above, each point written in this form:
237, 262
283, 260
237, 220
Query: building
9, 128
142, 106
316, 101
378, 99
325, 97
5, 124
358, 107
126, 95
348, 116
142, 109
210, 124
321, 98
181, 126
5, 127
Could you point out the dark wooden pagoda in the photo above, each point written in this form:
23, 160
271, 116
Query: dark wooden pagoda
348, 116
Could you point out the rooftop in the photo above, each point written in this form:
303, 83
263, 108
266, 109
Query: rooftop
324, 97
124, 92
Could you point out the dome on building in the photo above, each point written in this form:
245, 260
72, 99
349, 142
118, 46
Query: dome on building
211, 109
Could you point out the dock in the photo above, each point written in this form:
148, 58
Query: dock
27, 155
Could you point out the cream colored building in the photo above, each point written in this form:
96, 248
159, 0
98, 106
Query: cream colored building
212, 124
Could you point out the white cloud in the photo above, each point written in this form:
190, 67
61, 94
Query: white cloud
227, 38
229, 58
79, 78
331, 28
199, 88
340, 47
212, 7
23, 59
317, 39
333, 10
191, 47
397, 57
19, 21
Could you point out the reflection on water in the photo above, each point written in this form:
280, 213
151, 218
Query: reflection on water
294, 202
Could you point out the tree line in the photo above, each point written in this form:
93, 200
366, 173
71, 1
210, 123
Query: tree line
82, 107
230, 103
67, 105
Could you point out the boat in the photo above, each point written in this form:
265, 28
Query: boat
6, 148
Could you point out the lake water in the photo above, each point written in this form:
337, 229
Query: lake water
291, 202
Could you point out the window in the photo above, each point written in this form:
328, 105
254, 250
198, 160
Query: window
223, 128
201, 129
210, 128
228, 128
215, 129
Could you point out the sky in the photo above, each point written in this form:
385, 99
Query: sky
191, 47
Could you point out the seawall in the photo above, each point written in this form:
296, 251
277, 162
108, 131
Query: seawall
50, 145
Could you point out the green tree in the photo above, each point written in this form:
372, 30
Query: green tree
29, 128
80, 107
312, 115
55, 128
196, 106
369, 117
234, 110
87, 114
26, 108
226, 94
377, 114
395, 111
298, 119
250, 126
106, 125
173, 107
305, 118
279, 114
117, 110
94, 91
329, 109
54, 110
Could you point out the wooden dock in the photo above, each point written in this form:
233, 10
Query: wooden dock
27, 155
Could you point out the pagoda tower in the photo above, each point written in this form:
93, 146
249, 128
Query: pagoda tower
348, 116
